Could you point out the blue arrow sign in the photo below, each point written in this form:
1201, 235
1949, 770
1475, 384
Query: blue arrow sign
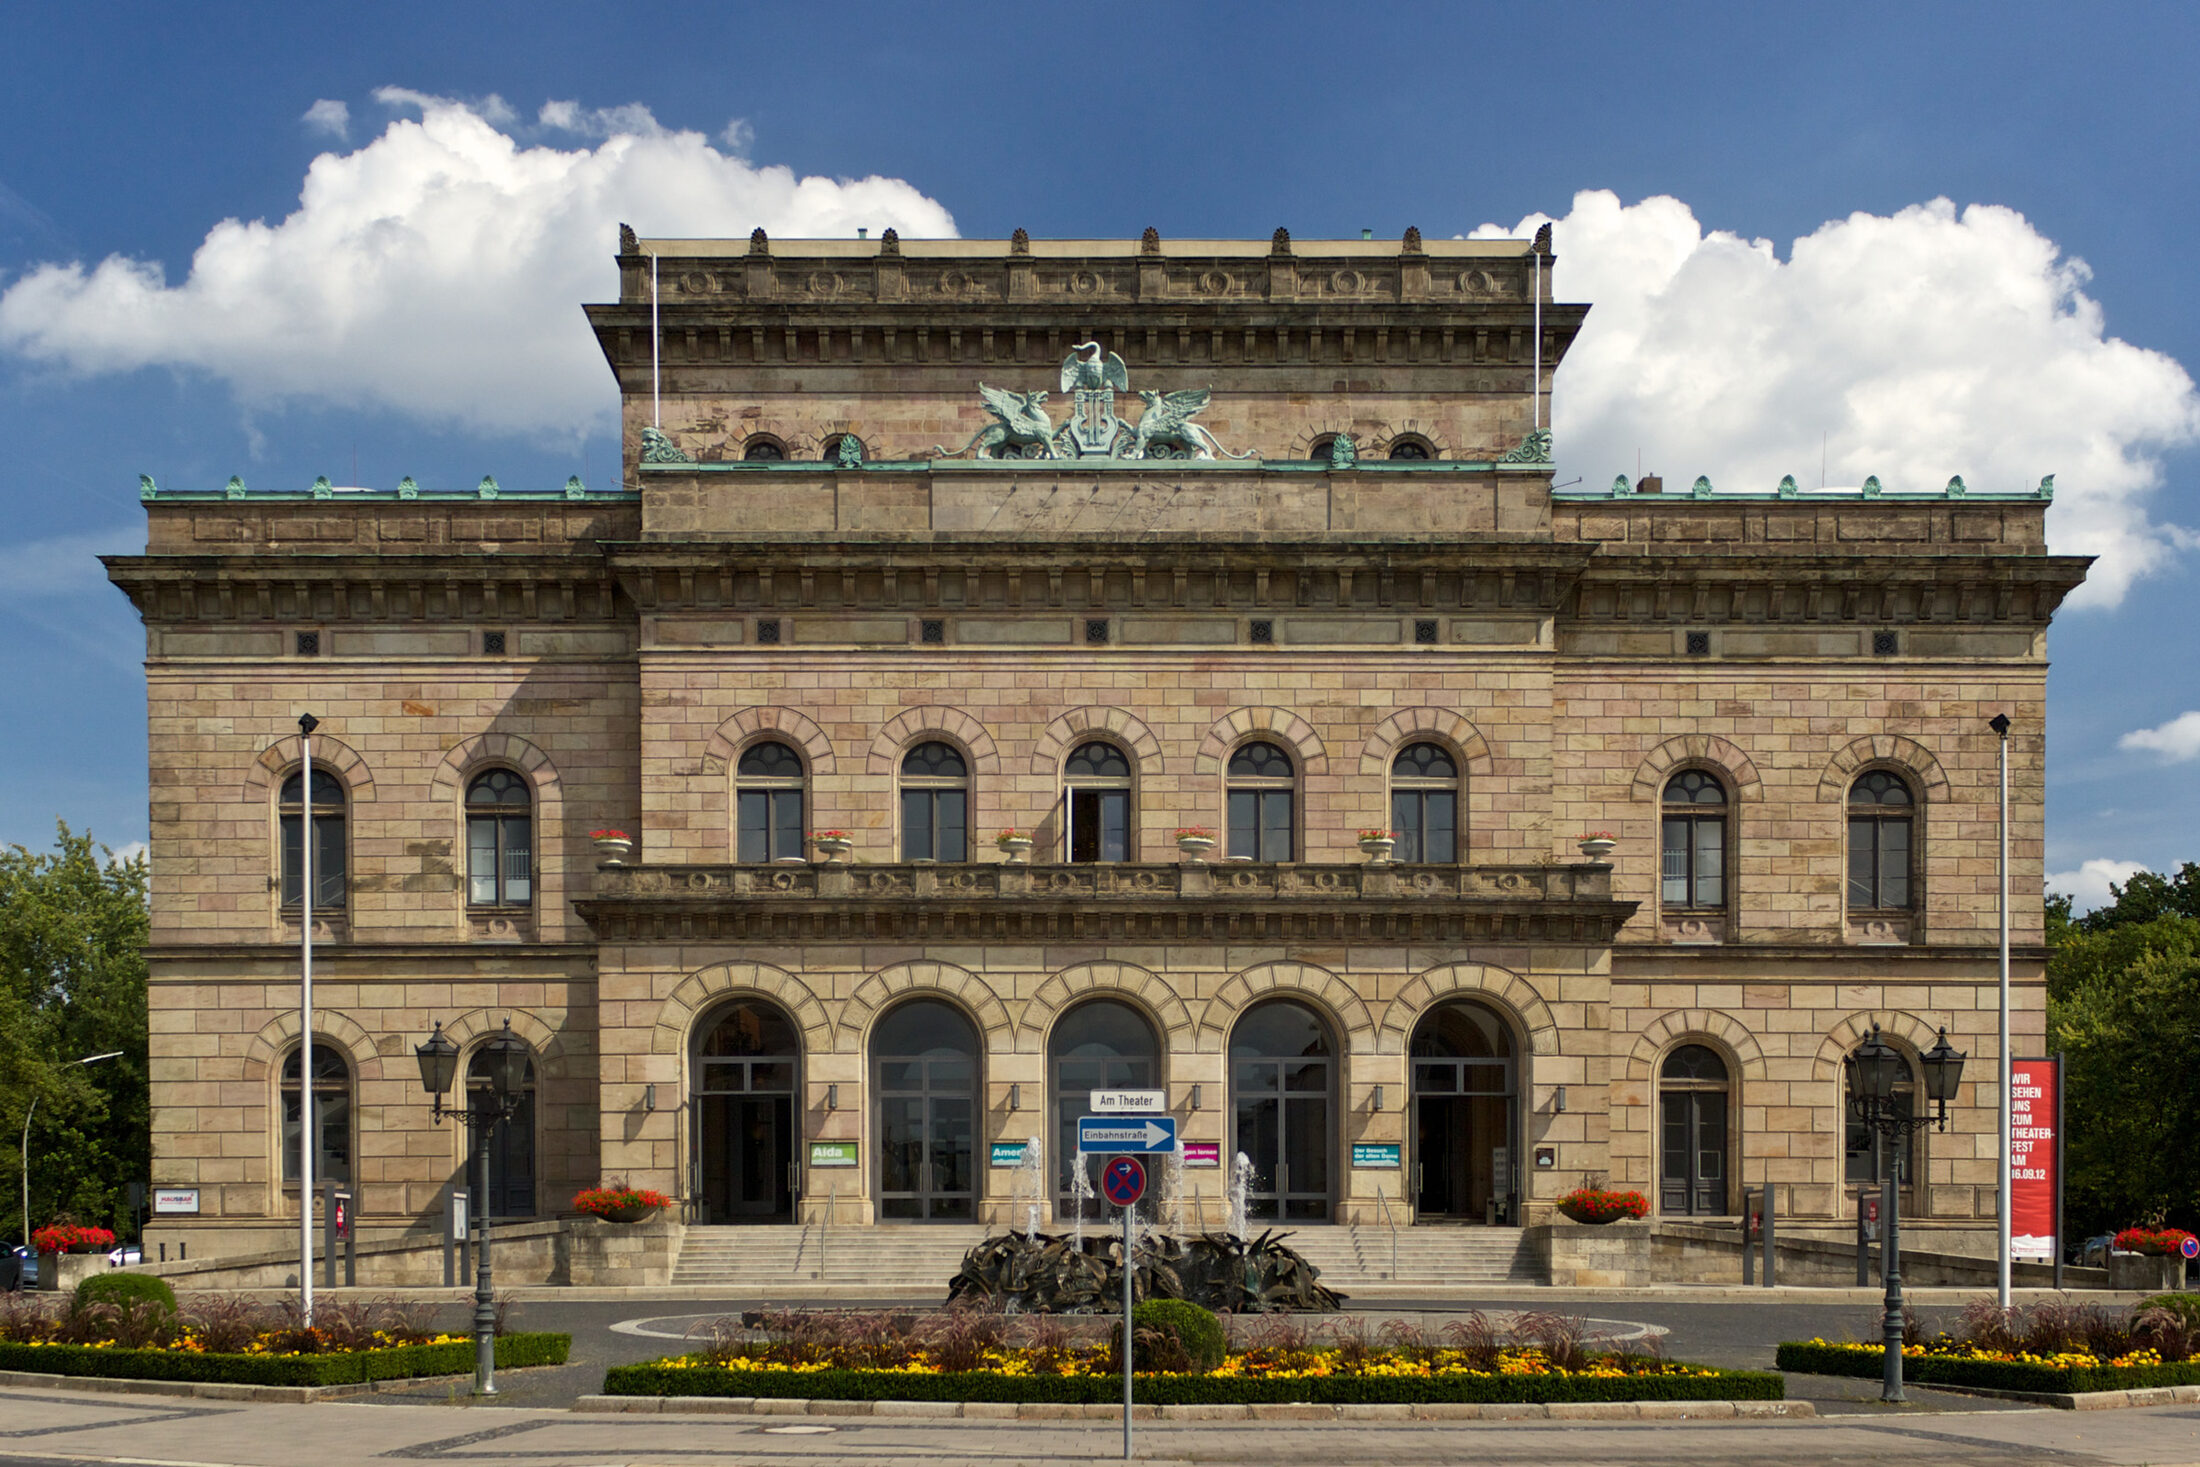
1120, 1134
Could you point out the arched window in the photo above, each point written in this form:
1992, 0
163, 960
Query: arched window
1692, 1127
1283, 1085
511, 1144
331, 1092
744, 1078
1466, 1101
935, 804
1424, 803
499, 841
1103, 1044
761, 449
768, 802
1406, 446
1693, 845
1320, 448
329, 885
1097, 803
1261, 803
924, 1059
1881, 808
1867, 1156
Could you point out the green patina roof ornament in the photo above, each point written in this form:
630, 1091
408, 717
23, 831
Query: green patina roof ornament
487, 488
574, 488
1787, 489
658, 448
234, 489
2047, 487
1533, 449
1871, 486
848, 452
322, 489
407, 489
1701, 489
1343, 452
1620, 487
1955, 487
147, 489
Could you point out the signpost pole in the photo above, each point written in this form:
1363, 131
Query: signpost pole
1129, 1269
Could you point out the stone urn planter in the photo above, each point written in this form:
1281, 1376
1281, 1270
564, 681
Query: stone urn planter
1598, 847
1016, 845
1195, 845
1597, 1206
1377, 845
630, 1214
612, 847
619, 1203
835, 846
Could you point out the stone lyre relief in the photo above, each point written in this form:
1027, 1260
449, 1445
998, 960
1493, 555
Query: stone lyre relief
1091, 377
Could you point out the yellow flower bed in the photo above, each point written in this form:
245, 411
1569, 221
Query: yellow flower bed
1952, 1350
1314, 1364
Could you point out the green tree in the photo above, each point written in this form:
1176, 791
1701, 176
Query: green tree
73, 924
2123, 1004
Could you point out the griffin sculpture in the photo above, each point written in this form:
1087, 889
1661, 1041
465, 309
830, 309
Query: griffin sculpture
1168, 420
1022, 425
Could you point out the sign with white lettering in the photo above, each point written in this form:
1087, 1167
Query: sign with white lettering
2033, 1158
171, 1200
1139, 1134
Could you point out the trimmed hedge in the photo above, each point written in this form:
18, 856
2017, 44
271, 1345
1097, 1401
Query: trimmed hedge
126, 1289
398, 1362
1195, 1328
1813, 1358
657, 1379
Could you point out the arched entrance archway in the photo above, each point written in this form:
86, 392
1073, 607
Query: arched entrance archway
924, 1075
1466, 1103
1102, 1044
1283, 1110
743, 1071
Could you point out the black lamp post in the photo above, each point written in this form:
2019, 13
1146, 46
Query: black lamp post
1873, 1072
507, 1074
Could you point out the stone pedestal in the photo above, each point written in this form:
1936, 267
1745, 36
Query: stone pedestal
2145, 1272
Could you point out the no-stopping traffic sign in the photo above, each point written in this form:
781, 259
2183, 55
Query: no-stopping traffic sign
1124, 1181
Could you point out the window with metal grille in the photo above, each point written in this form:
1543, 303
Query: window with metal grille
1262, 796
767, 800
1424, 632
935, 804
309, 644
1096, 630
1261, 632
1424, 803
1881, 808
932, 630
329, 886
767, 631
492, 644
1692, 866
1699, 644
1886, 644
499, 840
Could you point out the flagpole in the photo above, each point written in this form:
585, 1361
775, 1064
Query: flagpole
307, 1119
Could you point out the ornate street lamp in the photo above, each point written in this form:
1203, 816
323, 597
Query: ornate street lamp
507, 1076
1874, 1070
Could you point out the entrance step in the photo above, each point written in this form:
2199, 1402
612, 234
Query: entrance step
887, 1260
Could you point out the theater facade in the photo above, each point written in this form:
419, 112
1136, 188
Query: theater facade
1007, 668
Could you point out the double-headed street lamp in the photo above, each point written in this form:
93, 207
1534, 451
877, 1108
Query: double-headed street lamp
1873, 1073
507, 1057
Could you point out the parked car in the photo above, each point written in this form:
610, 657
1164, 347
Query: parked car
18, 1267
2093, 1252
127, 1253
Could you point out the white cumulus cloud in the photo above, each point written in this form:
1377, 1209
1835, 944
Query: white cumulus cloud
331, 117
2177, 741
2087, 887
438, 270
1921, 345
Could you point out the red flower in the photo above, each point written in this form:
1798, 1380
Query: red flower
1592, 1204
67, 1238
2159, 1242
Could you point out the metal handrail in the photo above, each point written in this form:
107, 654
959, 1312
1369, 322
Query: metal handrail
1382, 1202
825, 1228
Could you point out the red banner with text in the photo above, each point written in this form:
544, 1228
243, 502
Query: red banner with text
2034, 1158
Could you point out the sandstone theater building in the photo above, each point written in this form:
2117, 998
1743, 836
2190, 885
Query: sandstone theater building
833, 592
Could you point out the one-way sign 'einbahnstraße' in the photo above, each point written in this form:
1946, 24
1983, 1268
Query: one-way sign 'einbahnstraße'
1140, 1134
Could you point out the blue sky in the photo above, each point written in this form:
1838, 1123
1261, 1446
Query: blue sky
1911, 341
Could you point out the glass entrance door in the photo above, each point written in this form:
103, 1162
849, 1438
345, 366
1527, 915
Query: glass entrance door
1694, 1179
1282, 1087
743, 1120
925, 1078
1465, 1114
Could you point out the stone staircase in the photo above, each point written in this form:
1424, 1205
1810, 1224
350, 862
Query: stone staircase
886, 1262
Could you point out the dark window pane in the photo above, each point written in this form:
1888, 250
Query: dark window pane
1405, 819
786, 824
1097, 761
1244, 823
1423, 761
1863, 862
770, 760
1673, 864
1275, 825
954, 833
1710, 872
1894, 863
934, 761
1261, 761
481, 860
1440, 817
755, 826
918, 842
